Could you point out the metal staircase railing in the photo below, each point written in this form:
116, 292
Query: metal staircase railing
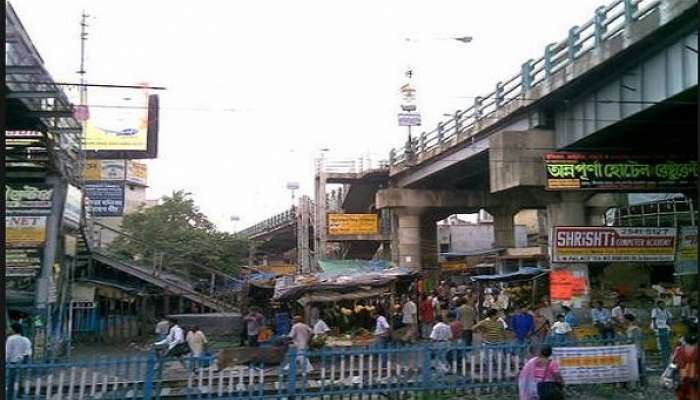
216, 291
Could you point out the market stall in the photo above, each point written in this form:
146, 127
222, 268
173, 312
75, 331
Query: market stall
345, 300
525, 287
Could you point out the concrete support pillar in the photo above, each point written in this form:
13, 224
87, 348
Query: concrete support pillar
503, 226
429, 241
570, 211
409, 237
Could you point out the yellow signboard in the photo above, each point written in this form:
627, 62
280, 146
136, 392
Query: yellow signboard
447, 266
104, 170
353, 224
25, 231
136, 172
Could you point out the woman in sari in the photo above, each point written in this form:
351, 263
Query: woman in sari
538, 369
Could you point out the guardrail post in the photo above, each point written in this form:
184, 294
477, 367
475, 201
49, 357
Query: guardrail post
477, 107
526, 76
148, 383
392, 157
458, 124
422, 142
440, 133
499, 95
630, 10
292, 384
548, 53
572, 45
426, 377
599, 24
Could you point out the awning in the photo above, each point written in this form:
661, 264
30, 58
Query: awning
525, 273
327, 297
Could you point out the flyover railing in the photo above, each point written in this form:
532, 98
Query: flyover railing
282, 219
359, 371
608, 22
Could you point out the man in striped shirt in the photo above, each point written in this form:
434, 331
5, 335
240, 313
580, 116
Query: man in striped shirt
491, 329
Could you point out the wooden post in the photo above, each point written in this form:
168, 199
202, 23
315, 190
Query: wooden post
180, 305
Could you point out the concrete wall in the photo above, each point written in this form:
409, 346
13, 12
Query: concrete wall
463, 238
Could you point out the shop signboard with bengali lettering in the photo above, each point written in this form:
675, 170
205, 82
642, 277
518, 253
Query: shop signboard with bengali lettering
574, 244
353, 224
106, 199
28, 199
584, 171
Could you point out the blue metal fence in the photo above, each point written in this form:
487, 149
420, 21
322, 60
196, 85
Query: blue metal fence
358, 371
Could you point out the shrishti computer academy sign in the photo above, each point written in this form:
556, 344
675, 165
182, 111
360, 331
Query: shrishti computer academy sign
605, 244
584, 171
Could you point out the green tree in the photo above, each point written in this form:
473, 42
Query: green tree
177, 229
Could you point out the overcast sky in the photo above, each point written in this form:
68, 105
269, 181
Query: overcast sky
301, 75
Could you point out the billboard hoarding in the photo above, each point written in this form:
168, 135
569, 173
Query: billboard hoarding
33, 199
106, 199
25, 231
597, 364
583, 171
409, 119
132, 133
687, 252
607, 244
136, 172
353, 224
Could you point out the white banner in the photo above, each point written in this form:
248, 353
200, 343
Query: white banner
600, 364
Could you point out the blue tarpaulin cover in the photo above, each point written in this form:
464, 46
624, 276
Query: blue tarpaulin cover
523, 273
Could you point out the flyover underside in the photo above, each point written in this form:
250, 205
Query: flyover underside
670, 127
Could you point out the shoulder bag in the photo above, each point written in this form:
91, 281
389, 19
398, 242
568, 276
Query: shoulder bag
549, 390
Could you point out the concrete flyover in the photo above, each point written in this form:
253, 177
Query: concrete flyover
624, 81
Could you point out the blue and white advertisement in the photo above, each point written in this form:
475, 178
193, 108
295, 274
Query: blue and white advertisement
106, 199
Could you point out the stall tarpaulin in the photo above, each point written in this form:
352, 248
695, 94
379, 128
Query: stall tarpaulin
525, 273
606, 244
329, 297
598, 364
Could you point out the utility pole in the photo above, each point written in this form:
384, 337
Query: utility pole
81, 72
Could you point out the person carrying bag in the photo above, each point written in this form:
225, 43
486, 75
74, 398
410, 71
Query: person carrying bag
540, 378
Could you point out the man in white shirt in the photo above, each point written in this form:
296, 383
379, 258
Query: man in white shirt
321, 329
442, 333
410, 319
618, 313
176, 336
661, 324
301, 336
560, 330
18, 349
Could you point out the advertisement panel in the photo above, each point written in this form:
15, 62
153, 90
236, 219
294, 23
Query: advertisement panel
25, 231
73, 208
106, 199
136, 172
28, 199
605, 244
599, 364
131, 132
687, 252
353, 224
104, 170
578, 171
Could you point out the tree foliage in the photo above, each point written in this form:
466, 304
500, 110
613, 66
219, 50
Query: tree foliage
185, 237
